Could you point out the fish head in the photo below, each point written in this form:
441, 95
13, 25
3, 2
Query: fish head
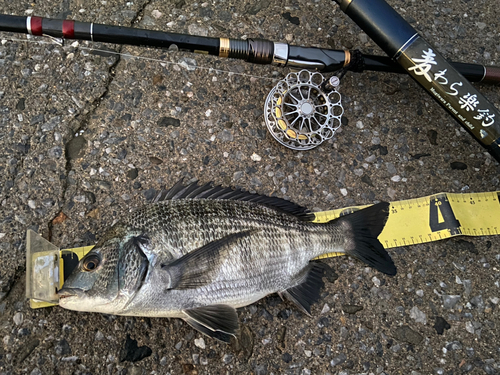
108, 277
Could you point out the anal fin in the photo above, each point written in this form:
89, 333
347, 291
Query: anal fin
309, 284
217, 321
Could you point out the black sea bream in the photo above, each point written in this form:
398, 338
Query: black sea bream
200, 252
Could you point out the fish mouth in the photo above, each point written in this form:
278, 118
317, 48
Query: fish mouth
70, 292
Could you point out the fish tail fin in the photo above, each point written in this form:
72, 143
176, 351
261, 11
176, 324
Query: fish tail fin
361, 229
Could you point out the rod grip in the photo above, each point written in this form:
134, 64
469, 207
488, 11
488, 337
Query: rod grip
261, 51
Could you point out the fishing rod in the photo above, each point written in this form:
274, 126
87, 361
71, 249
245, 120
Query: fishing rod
429, 68
258, 51
301, 111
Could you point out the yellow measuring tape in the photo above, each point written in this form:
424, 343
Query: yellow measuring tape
433, 218
410, 222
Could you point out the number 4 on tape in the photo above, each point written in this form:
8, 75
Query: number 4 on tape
434, 218
441, 215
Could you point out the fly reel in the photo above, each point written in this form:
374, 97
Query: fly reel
302, 110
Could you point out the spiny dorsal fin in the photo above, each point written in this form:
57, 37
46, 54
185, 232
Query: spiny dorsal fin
207, 191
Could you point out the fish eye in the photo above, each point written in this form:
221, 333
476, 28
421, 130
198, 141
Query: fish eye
91, 262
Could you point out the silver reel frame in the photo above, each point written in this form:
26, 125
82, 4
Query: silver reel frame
299, 114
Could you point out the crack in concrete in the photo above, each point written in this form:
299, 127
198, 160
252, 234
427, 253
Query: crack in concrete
140, 12
6, 289
84, 122
87, 116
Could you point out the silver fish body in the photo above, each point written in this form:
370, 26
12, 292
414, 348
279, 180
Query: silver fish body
200, 252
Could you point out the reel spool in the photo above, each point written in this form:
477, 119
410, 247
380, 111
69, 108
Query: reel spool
300, 114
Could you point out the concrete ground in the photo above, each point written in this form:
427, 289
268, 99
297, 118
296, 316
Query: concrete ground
92, 135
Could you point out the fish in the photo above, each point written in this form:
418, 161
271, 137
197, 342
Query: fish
199, 252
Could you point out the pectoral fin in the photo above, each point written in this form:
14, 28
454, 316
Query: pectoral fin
217, 321
309, 284
200, 266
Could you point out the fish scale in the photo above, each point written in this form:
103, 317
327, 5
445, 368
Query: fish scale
219, 221
201, 252
213, 224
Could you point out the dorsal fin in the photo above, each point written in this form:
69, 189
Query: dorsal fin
207, 191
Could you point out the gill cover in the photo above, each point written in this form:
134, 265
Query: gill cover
132, 266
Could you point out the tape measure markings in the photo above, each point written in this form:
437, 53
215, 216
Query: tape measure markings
433, 218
